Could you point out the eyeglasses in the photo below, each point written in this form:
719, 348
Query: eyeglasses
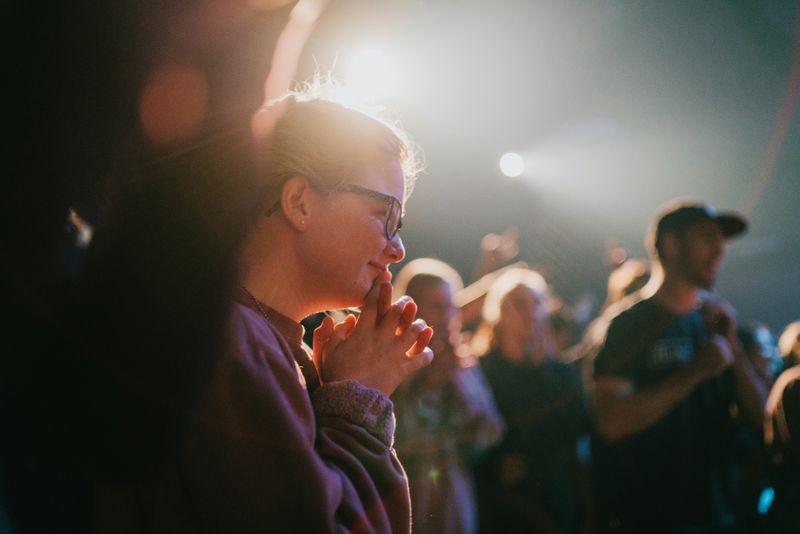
394, 211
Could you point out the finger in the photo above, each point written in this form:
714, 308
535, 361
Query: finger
345, 327
348, 324
414, 363
384, 300
409, 313
393, 317
339, 334
409, 337
369, 310
322, 335
422, 341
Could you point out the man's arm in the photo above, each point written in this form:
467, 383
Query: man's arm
751, 391
622, 410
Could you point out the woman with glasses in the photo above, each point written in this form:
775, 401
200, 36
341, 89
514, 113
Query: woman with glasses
288, 440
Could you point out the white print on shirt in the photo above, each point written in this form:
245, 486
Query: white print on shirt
670, 353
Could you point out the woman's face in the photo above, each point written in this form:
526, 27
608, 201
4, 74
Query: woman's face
346, 249
523, 314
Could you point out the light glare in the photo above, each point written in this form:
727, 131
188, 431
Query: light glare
371, 74
512, 164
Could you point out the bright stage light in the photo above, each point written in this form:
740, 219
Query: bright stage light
512, 164
371, 74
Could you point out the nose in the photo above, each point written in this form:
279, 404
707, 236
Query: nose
395, 251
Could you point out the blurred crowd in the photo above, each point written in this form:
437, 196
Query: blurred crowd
651, 417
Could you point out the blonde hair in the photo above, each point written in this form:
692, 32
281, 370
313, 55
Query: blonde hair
329, 142
485, 338
417, 273
789, 342
505, 284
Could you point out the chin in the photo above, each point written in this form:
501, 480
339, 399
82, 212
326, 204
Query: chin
703, 280
358, 296
350, 299
705, 283
353, 293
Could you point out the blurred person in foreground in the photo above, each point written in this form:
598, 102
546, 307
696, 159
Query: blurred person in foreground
445, 413
117, 260
665, 380
532, 481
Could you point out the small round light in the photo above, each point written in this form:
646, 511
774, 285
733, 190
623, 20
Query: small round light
512, 164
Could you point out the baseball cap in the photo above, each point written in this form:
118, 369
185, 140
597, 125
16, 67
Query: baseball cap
678, 214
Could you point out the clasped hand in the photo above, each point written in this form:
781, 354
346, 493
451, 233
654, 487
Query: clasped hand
714, 358
380, 348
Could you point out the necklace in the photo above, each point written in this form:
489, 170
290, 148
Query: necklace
305, 366
258, 304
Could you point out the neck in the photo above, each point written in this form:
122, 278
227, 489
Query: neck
271, 276
677, 295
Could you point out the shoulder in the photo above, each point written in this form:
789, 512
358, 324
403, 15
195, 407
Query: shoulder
247, 326
255, 388
253, 341
629, 312
620, 316
641, 319
629, 332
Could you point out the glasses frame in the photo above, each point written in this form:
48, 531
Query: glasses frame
393, 203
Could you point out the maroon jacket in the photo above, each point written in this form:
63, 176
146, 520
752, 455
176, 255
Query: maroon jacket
265, 455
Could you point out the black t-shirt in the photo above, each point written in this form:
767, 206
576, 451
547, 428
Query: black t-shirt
678, 472
544, 411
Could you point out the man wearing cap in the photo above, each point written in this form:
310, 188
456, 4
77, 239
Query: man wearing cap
669, 380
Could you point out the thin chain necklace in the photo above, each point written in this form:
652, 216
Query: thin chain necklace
258, 304
305, 365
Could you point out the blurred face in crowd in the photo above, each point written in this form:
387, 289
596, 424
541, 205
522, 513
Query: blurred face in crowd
701, 247
435, 306
523, 315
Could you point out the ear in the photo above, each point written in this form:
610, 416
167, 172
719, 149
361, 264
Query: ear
295, 201
670, 245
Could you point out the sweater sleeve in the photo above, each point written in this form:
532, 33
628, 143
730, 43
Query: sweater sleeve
261, 457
